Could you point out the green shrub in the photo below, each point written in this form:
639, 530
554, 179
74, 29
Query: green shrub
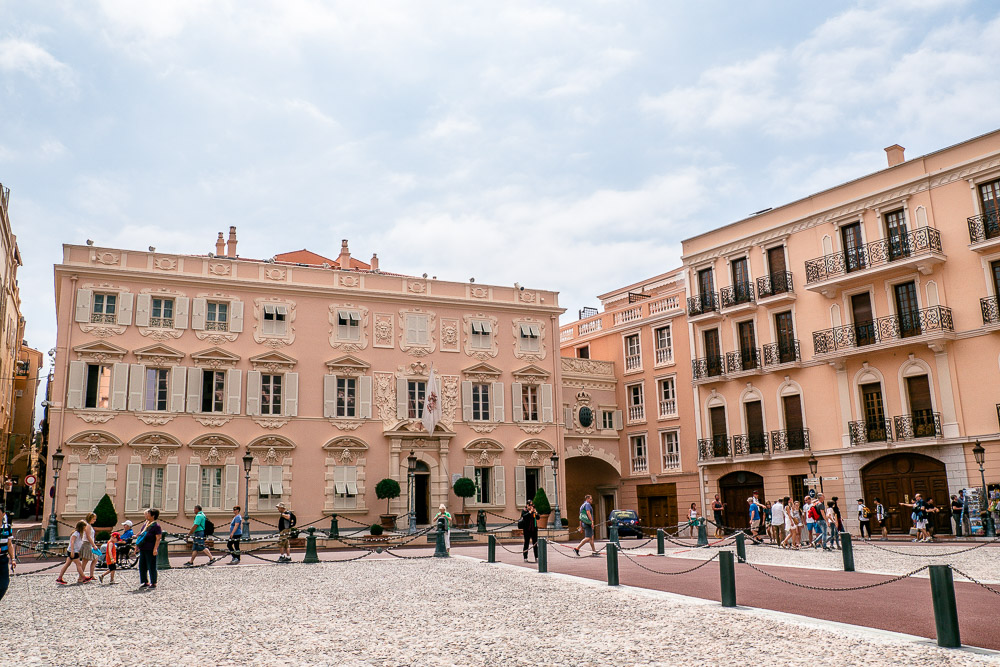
107, 517
565, 522
386, 490
376, 529
464, 488
542, 502
102, 536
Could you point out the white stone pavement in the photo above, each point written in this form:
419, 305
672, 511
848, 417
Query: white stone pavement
458, 611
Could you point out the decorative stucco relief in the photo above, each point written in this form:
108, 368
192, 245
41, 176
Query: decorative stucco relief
349, 345
383, 330
385, 398
481, 353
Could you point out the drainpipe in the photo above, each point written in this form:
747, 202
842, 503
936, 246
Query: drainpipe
62, 403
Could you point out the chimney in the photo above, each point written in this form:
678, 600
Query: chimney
374, 262
345, 255
220, 246
895, 155
231, 243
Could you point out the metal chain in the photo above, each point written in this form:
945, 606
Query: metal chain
575, 555
638, 546
649, 569
835, 590
947, 553
989, 588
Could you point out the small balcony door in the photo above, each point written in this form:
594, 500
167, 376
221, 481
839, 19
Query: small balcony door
719, 434
895, 231
756, 439
861, 313
748, 345
786, 337
918, 390
776, 268
793, 421
871, 399
854, 258
907, 309
741, 280
713, 352
706, 285
989, 195
995, 270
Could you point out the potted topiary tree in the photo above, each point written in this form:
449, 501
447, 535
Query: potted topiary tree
387, 490
463, 488
107, 517
542, 507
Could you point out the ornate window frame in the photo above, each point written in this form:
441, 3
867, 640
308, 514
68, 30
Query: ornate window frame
212, 336
345, 451
338, 343
516, 331
480, 353
155, 446
273, 340
271, 450
413, 349
164, 333
107, 329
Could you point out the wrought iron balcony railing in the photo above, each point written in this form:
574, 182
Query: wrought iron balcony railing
750, 443
990, 306
876, 253
774, 284
893, 327
737, 294
707, 367
921, 424
716, 447
790, 440
703, 303
863, 432
743, 360
782, 352
984, 227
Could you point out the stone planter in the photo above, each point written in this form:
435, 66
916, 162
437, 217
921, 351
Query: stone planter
543, 521
463, 519
388, 521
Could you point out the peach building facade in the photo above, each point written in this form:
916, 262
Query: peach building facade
170, 367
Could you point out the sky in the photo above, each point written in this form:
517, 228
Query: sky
567, 146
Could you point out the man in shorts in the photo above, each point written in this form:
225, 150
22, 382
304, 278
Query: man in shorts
587, 524
197, 534
286, 522
754, 518
919, 517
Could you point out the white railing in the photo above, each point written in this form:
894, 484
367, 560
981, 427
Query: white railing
668, 408
630, 315
639, 464
672, 461
664, 355
636, 413
590, 327
663, 305
565, 335
633, 362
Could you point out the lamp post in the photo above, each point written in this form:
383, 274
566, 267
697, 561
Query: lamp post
52, 532
556, 517
813, 468
247, 464
411, 497
980, 453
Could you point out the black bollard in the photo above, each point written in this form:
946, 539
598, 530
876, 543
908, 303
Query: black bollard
727, 578
491, 549
481, 521
162, 556
613, 532
741, 546
334, 527
702, 534
945, 609
847, 550
440, 551
612, 549
543, 555
311, 555
659, 542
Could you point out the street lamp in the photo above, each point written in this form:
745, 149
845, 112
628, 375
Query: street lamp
411, 497
556, 517
813, 468
247, 464
980, 453
52, 532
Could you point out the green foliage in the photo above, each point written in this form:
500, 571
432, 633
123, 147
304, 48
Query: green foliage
542, 502
386, 490
565, 522
464, 488
102, 536
107, 517
376, 529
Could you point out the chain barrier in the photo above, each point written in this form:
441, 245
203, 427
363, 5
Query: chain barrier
836, 590
975, 581
947, 553
574, 549
649, 569
638, 546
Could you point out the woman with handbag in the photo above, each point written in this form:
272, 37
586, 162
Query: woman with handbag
529, 524
148, 543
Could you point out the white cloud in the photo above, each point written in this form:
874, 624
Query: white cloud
27, 57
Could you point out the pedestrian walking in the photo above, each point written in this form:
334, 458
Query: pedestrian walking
692, 519
718, 507
919, 517
286, 521
792, 525
90, 552
778, 521
807, 504
864, 518
76, 543
443, 513
586, 525
6, 553
819, 524
529, 527
755, 515
931, 509
111, 557
149, 543
836, 513
235, 533
831, 524
197, 534
966, 509
881, 518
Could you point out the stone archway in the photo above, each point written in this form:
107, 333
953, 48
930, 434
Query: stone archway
896, 478
589, 475
734, 489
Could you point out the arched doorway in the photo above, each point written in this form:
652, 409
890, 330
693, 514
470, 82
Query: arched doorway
896, 478
735, 488
596, 477
422, 493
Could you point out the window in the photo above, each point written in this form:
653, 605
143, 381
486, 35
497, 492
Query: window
482, 335
151, 487
583, 352
637, 448
480, 401
907, 309
273, 323
895, 227
217, 316
211, 488
530, 337
664, 345
213, 391
348, 325
797, 483
671, 448
989, 196
416, 391
532, 482
90, 486
636, 407
345, 487
270, 394
607, 420
104, 308
484, 487
269, 479
529, 402
668, 398
417, 329
633, 354
748, 345
156, 389
347, 394
98, 392
162, 314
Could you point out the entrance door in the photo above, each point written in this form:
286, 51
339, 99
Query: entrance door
735, 488
871, 400
741, 280
861, 312
896, 478
899, 242
658, 515
757, 439
793, 421
854, 255
720, 444
422, 497
713, 352
989, 194
907, 309
706, 286
606, 506
995, 268
777, 270
786, 337
918, 390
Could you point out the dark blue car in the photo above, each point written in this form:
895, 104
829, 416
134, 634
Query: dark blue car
627, 521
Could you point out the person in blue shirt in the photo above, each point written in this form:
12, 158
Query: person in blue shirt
6, 553
235, 533
754, 518
128, 533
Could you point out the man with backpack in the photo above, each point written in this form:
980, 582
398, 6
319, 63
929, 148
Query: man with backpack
286, 521
202, 527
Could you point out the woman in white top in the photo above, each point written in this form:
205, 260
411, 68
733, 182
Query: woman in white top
692, 519
87, 554
831, 521
792, 525
76, 541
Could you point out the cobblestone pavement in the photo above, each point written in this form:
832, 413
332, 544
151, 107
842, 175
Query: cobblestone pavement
428, 612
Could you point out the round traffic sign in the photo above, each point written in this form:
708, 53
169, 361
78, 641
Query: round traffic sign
29, 480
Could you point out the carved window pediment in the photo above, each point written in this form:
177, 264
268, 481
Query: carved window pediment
483, 445
531, 374
535, 452
271, 442
159, 355
88, 438
482, 372
99, 351
215, 357
346, 450
348, 365
155, 438
213, 440
272, 361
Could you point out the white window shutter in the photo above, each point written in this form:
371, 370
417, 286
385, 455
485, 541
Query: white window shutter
84, 479
194, 380
411, 329
192, 483
253, 393
119, 386
616, 420
264, 480
132, 474
231, 496
547, 412
98, 484
499, 486
423, 333
520, 490
568, 417
181, 312
497, 391
467, 401
470, 472
365, 400
401, 398
233, 391
198, 309
177, 376
236, 316
277, 477
329, 395
550, 484
516, 398
74, 396
291, 397
171, 487
84, 304
124, 317
136, 385
142, 307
